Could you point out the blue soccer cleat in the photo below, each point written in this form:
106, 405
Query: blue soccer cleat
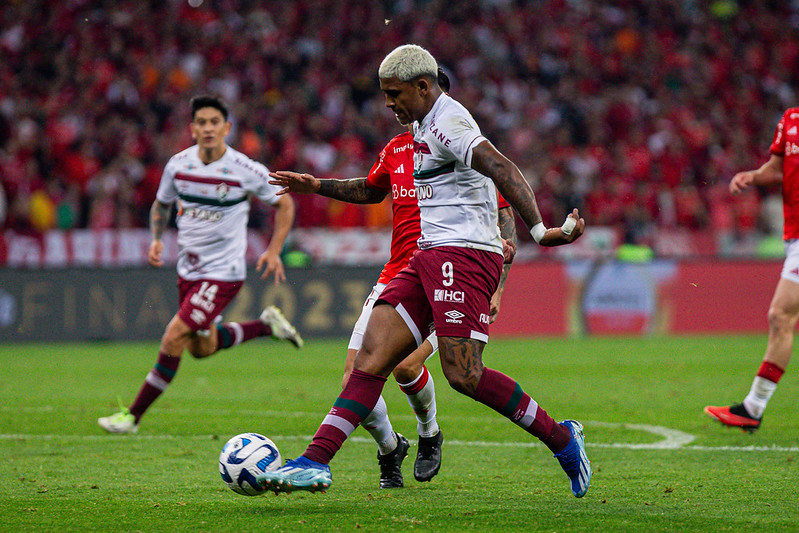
297, 474
574, 461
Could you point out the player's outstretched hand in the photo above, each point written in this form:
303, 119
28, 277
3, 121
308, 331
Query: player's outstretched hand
294, 182
741, 181
570, 231
271, 263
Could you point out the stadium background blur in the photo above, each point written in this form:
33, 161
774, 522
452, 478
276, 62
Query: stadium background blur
636, 112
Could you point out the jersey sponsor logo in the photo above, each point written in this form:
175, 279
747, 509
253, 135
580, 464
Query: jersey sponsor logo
202, 214
445, 295
791, 148
484, 318
435, 132
454, 317
402, 192
794, 115
400, 169
400, 149
424, 192
792, 130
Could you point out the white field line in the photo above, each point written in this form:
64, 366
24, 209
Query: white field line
672, 440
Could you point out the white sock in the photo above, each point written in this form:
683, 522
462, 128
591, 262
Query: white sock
423, 404
379, 427
759, 395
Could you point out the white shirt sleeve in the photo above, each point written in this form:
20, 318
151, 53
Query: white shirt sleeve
263, 189
463, 134
167, 193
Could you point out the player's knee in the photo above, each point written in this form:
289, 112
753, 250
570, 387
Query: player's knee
406, 371
779, 319
463, 383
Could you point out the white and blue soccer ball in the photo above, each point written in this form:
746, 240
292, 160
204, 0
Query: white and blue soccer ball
244, 457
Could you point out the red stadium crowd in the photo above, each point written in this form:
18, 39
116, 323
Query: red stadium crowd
636, 112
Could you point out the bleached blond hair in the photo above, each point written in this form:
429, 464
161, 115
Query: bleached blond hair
408, 62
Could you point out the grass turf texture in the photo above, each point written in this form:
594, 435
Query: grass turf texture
60, 472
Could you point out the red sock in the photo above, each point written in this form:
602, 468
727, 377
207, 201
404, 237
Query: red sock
504, 395
354, 403
770, 371
419, 384
157, 380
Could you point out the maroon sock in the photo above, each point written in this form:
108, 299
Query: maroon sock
157, 380
233, 333
504, 395
354, 403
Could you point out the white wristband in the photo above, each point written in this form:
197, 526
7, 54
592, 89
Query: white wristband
538, 232
568, 226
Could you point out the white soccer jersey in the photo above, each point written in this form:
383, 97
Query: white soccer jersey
458, 205
213, 210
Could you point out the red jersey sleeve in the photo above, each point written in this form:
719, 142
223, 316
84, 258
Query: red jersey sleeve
379, 176
778, 143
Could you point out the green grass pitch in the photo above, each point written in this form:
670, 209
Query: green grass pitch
660, 464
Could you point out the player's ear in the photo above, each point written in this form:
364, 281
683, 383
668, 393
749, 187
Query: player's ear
422, 86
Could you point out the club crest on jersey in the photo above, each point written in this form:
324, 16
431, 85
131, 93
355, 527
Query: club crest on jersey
222, 191
421, 148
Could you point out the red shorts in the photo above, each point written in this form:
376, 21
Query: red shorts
202, 300
449, 287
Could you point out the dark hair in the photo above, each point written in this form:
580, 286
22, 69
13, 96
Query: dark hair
443, 80
206, 100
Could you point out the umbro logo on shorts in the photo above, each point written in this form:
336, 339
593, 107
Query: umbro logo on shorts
454, 317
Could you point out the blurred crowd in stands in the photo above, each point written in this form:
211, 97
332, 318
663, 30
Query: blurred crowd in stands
636, 112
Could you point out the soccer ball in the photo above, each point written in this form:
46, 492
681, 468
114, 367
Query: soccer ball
245, 456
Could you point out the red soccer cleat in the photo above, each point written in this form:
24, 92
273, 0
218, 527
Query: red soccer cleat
734, 416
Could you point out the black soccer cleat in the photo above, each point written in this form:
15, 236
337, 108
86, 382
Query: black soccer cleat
428, 458
391, 465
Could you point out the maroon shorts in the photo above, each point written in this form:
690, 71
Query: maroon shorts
448, 286
202, 300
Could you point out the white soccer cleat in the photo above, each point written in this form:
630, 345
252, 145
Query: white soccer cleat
122, 422
280, 326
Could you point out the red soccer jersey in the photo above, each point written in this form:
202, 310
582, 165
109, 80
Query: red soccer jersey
393, 170
786, 144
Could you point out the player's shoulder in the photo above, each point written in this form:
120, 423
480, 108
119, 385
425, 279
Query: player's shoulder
184, 155
398, 144
453, 116
243, 165
792, 113
183, 159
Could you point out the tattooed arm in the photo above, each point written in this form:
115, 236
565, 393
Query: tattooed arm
507, 230
159, 218
488, 161
354, 191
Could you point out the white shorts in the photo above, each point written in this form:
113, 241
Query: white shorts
790, 267
356, 339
